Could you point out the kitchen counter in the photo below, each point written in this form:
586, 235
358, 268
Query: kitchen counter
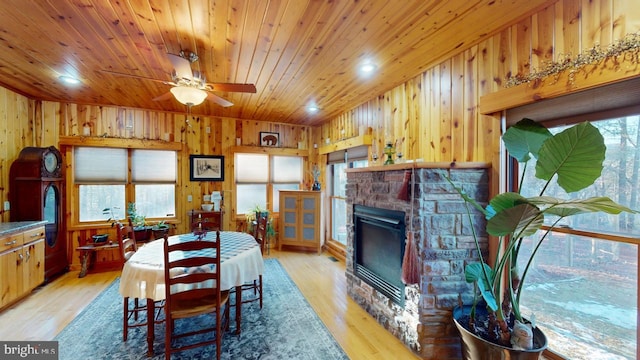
8, 228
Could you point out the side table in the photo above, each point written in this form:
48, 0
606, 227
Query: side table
88, 252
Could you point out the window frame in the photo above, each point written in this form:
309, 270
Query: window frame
509, 176
130, 145
240, 214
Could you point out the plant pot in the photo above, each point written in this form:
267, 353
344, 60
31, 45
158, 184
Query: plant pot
159, 233
477, 348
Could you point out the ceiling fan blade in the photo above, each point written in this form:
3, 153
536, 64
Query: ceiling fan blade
218, 100
232, 87
164, 97
182, 66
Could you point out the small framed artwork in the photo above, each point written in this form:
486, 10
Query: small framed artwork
206, 168
269, 139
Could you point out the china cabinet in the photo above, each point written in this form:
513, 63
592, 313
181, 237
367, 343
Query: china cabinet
301, 219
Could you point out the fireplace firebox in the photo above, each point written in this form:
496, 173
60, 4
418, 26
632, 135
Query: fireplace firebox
379, 236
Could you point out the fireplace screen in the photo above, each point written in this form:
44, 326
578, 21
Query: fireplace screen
379, 241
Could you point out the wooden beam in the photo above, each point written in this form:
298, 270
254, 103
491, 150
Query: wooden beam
270, 150
120, 143
347, 143
609, 71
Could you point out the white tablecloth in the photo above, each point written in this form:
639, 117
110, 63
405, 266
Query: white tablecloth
143, 275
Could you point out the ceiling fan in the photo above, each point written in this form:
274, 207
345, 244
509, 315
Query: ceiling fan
190, 87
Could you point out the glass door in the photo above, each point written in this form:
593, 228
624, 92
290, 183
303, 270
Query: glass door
50, 214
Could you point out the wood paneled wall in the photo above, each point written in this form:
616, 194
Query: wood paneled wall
435, 114
43, 123
16, 132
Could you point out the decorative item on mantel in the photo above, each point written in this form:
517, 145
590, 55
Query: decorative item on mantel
389, 150
399, 151
315, 172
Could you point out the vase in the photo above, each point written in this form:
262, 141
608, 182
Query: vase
316, 186
476, 348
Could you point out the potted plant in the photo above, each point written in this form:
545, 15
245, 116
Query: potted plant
251, 216
112, 217
160, 229
102, 238
573, 159
137, 221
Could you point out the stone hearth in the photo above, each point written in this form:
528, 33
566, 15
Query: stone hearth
444, 243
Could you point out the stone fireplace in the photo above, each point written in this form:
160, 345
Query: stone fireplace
417, 314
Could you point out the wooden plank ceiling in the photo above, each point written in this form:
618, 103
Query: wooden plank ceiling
296, 52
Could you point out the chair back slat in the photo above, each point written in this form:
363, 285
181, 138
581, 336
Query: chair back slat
190, 263
260, 229
126, 241
205, 226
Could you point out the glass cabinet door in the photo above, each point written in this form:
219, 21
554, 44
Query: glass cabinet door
50, 214
289, 217
309, 214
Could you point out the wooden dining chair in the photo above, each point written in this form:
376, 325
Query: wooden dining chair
131, 315
254, 289
260, 230
192, 279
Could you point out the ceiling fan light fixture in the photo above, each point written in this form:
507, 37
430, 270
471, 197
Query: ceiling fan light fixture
189, 95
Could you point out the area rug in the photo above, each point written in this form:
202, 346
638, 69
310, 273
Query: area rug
285, 328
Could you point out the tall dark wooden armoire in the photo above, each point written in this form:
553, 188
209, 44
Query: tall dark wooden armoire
36, 191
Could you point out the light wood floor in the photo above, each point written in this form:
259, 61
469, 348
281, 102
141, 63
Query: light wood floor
47, 311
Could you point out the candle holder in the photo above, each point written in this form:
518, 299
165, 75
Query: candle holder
389, 150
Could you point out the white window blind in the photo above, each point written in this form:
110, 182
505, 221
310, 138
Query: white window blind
252, 168
287, 169
156, 166
336, 157
349, 155
358, 153
100, 165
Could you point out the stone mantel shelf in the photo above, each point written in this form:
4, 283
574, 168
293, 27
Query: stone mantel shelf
423, 165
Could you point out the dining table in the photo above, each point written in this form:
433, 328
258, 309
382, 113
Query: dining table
143, 274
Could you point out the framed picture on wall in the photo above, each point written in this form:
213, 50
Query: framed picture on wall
269, 139
206, 168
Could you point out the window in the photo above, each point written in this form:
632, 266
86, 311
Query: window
339, 161
583, 285
259, 177
102, 180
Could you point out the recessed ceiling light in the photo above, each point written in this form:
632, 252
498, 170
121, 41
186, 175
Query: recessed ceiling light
69, 80
312, 109
368, 68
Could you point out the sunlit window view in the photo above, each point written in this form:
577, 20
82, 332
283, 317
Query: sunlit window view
583, 286
339, 204
102, 178
260, 177
338, 199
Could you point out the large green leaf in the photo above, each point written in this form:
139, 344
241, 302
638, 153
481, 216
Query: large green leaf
502, 202
571, 207
524, 138
576, 155
523, 220
473, 273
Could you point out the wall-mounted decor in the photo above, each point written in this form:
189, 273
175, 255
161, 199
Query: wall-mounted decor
269, 139
206, 168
